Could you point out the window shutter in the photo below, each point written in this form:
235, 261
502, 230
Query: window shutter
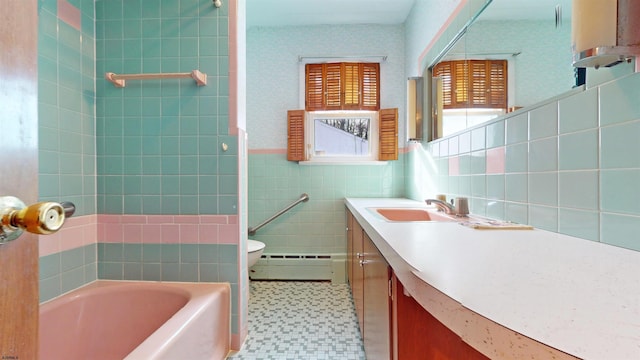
460, 83
370, 86
388, 119
342, 86
295, 135
315, 93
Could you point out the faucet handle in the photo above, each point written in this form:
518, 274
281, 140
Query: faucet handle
462, 206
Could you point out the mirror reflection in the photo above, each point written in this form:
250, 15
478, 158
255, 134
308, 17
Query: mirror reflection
514, 55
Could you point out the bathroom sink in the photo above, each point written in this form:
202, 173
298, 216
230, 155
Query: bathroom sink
409, 214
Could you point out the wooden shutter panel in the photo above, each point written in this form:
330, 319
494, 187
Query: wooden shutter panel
351, 86
314, 87
443, 71
479, 82
460, 84
295, 135
388, 119
333, 87
498, 84
370, 86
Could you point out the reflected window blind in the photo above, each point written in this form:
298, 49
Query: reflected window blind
473, 83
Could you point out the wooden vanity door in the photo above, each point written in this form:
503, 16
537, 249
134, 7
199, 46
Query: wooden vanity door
19, 175
377, 304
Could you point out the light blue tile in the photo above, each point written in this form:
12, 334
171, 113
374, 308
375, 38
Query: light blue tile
453, 145
495, 134
543, 217
496, 187
620, 230
618, 144
517, 212
578, 150
479, 185
464, 142
543, 155
132, 271
170, 253
578, 112
517, 129
495, 209
151, 272
49, 266
578, 223
543, 121
578, 189
619, 191
517, 158
478, 139
543, 188
619, 100
478, 162
49, 288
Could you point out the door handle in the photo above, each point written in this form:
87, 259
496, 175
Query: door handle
40, 218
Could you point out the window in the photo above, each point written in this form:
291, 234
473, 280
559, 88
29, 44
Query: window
470, 92
342, 120
342, 136
342, 86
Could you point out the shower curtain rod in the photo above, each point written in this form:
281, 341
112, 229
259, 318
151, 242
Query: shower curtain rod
119, 79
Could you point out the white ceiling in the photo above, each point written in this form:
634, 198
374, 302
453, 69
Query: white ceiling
335, 12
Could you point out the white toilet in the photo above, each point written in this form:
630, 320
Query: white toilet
255, 248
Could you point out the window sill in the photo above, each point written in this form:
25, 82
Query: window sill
329, 162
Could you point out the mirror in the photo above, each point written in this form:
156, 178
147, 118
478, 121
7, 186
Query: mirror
533, 37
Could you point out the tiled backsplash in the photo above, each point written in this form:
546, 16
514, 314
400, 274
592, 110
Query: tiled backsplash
569, 166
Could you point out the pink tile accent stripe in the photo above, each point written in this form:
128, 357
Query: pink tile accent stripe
495, 160
69, 14
168, 229
76, 232
267, 151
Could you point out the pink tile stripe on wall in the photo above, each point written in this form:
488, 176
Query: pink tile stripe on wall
495, 160
76, 232
168, 229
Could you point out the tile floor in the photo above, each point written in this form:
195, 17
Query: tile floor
301, 321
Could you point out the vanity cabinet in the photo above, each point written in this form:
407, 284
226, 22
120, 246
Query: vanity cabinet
369, 276
419, 335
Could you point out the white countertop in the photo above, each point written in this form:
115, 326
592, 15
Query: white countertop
576, 295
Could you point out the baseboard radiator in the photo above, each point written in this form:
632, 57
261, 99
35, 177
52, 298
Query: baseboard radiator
300, 267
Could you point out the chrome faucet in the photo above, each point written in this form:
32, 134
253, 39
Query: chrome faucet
442, 206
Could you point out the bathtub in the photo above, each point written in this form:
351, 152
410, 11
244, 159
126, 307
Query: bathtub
137, 320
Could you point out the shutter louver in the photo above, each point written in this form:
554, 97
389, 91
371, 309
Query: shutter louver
388, 147
443, 71
295, 135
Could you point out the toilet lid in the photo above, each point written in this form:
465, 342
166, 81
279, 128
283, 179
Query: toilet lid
255, 245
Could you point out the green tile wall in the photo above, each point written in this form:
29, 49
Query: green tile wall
316, 226
159, 141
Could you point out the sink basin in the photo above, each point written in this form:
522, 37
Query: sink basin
408, 214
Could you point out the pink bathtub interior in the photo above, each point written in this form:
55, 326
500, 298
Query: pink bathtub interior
137, 320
